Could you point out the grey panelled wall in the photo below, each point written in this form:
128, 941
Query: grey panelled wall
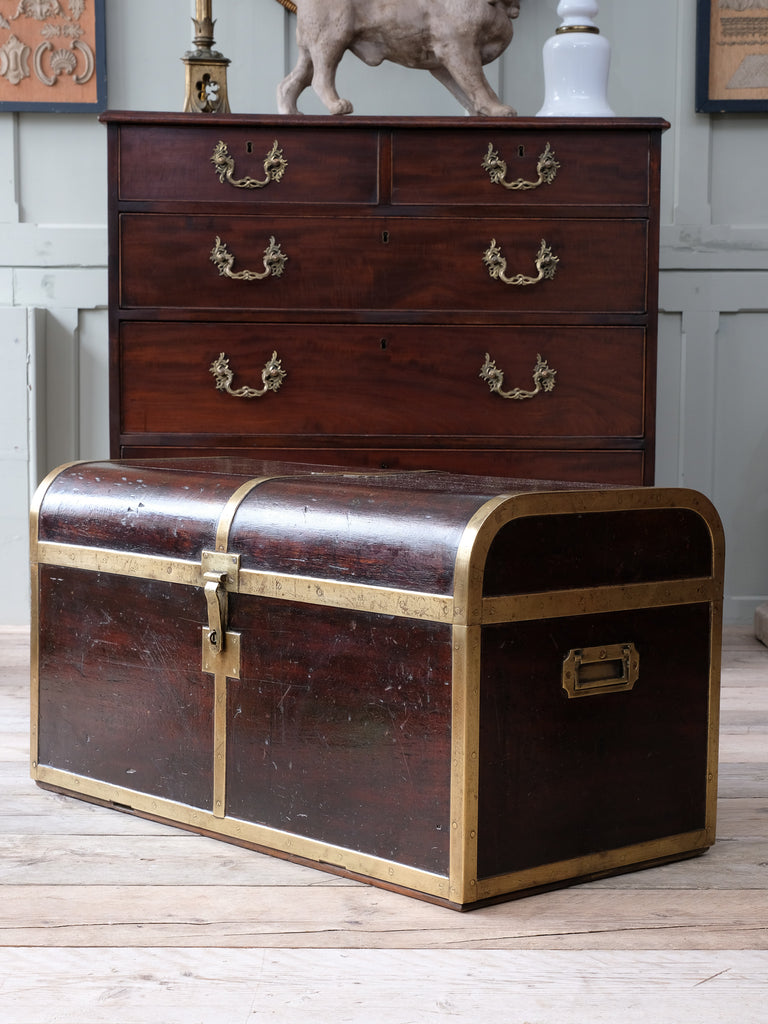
712, 427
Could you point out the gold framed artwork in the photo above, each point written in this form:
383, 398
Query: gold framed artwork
732, 56
288, 5
52, 55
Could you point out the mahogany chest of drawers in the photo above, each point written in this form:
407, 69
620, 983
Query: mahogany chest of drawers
473, 295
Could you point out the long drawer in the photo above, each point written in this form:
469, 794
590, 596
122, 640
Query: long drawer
426, 263
596, 465
400, 380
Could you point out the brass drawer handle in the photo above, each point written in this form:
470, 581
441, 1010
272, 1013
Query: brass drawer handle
272, 377
545, 262
588, 671
546, 168
274, 167
274, 262
543, 379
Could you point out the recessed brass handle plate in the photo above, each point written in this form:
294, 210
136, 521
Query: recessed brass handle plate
274, 260
543, 379
546, 169
272, 377
224, 165
588, 671
546, 265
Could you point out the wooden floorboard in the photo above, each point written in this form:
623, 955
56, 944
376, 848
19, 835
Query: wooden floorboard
105, 917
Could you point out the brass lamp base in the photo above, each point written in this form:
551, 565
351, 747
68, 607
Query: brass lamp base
206, 84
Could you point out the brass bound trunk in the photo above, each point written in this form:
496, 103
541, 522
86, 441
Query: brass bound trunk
462, 688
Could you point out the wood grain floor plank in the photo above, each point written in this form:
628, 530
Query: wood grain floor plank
743, 818
739, 779
14, 744
744, 706
180, 986
169, 856
744, 746
360, 916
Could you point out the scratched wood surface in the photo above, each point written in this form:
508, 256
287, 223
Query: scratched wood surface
108, 918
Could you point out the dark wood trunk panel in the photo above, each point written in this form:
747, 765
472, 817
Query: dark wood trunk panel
340, 730
354, 534
122, 695
141, 509
566, 778
598, 549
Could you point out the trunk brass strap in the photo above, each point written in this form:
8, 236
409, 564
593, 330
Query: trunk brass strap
230, 509
221, 647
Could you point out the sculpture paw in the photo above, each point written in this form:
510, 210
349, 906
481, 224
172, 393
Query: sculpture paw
340, 107
497, 110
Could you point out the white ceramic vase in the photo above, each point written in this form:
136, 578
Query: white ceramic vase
576, 64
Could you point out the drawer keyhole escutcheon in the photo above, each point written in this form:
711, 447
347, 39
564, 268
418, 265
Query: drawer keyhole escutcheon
546, 169
543, 379
274, 260
385, 237
546, 265
224, 165
272, 377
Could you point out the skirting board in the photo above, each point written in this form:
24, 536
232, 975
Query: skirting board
761, 623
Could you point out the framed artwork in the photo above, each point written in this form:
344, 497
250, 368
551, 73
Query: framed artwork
52, 55
732, 56
289, 5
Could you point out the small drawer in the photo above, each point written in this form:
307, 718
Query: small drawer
390, 381
573, 168
229, 164
434, 264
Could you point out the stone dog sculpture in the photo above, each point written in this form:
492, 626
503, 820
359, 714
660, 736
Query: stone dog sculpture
452, 39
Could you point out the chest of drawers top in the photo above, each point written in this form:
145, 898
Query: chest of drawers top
383, 162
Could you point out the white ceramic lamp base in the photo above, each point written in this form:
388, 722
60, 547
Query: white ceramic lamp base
576, 64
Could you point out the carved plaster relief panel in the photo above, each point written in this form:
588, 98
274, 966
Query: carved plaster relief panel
50, 53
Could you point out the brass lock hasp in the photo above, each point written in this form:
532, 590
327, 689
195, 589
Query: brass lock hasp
221, 648
216, 598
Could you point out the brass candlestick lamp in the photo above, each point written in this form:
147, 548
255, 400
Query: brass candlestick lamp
206, 91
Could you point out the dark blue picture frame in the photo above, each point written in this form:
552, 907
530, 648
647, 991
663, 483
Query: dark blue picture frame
704, 103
